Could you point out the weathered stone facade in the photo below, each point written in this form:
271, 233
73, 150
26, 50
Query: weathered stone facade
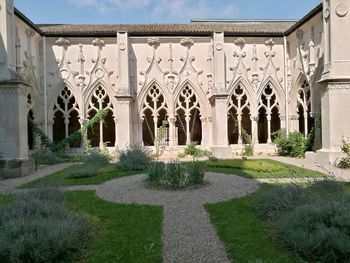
204, 81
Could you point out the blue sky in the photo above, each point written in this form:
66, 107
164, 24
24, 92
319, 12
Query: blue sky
159, 11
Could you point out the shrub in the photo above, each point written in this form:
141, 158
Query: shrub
96, 158
248, 148
37, 227
176, 175
135, 157
271, 202
156, 171
192, 150
293, 145
319, 232
83, 171
344, 162
48, 157
196, 172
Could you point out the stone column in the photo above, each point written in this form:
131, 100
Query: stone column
124, 129
14, 161
172, 141
254, 120
335, 78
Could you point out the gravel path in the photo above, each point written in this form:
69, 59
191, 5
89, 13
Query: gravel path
8, 186
188, 235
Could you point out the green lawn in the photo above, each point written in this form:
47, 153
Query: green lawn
247, 238
126, 233
106, 173
259, 168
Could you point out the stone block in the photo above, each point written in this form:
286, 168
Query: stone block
16, 167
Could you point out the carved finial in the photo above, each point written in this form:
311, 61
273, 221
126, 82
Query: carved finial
153, 42
187, 42
240, 42
62, 42
299, 34
81, 59
270, 43
30, 32
255, 55
98, 42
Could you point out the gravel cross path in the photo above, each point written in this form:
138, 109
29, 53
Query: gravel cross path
188, 235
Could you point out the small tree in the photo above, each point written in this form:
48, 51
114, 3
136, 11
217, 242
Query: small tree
248, 147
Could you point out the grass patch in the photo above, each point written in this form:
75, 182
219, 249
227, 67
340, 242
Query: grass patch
127, 233
260, 168
61, 178
247, 238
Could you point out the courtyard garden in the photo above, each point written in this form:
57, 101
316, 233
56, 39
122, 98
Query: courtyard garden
140, 209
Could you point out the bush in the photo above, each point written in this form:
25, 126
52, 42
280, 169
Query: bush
344, 163
196, 172
192, 150
37, 227
176, 175
319, 232
248, 148
271, 202
294, 145
48, 157
96, 158
135, 157
82, 171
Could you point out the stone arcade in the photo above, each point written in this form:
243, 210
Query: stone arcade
204, 81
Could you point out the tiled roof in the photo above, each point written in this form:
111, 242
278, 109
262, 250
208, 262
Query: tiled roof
238, 27
234, 27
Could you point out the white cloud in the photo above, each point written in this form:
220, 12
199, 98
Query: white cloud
170, 8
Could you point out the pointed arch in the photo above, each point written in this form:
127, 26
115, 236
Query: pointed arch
277, 88
269, 111
239, 111
55, 93
143, 93
203, 101
154, 113
103, 132
65, 115
87, 93
188, 112
248, 88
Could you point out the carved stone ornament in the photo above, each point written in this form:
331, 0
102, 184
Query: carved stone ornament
341, 10
326, 13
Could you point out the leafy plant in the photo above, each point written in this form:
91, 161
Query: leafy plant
248, 148
135, 157
61, 146
194, 151
37, 227
176, 175
196, 172
319, 232
293, 145
48, 157
344, 162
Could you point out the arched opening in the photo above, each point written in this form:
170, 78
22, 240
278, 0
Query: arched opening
269, 120
154, 116
188, 122
103, 132
66, 117
31, 138
238, 115
306, 122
